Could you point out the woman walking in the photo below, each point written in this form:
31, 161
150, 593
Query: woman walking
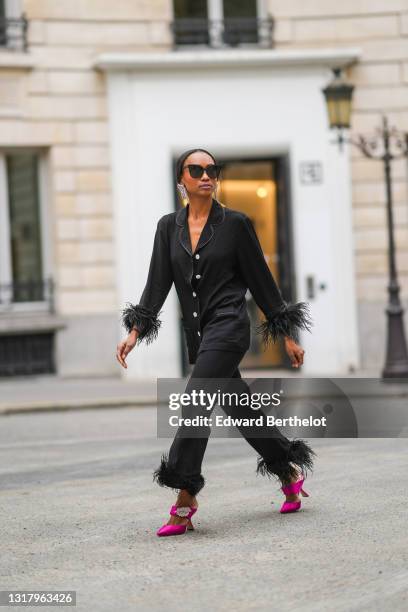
213, 255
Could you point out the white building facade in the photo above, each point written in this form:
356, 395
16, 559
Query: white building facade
96, 102
164, 104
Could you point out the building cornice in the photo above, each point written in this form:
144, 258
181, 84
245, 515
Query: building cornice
227, 58
13, 60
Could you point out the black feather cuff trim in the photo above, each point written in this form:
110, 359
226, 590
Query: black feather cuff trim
299, 453
286, 322
146, 321
168, 476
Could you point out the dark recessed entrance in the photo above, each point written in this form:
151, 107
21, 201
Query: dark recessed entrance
260, 188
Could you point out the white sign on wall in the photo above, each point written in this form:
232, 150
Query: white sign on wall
311, 173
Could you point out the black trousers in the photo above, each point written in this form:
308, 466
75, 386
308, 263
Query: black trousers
181, 468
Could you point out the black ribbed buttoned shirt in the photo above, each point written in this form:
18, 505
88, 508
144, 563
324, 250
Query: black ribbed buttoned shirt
211, 284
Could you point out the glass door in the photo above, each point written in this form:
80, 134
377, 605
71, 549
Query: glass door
25, 227
240, 22
190, 26
253, 187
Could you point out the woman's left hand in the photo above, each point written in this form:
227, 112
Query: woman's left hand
294, 351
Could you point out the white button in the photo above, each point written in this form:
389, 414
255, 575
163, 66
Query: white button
194, 314
197, 256
194, 294
198, 275
199, 333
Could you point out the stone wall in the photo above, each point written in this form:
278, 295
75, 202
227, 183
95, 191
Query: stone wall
60, 105
380, 29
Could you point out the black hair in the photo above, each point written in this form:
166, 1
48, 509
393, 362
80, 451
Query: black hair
182, 159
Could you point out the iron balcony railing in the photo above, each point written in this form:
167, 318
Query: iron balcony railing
27, 354
20, 292
228, 32
13, 33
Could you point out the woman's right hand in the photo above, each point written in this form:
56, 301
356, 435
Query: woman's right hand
124, 347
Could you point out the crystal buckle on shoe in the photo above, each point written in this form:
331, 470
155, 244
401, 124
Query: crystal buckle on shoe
183, 511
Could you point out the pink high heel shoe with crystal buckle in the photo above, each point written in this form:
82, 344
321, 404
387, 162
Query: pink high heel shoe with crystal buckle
293, 489
182, 512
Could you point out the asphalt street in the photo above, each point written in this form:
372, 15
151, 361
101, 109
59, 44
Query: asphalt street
79, 511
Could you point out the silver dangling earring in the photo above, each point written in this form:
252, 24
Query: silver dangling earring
215, 191
183, 192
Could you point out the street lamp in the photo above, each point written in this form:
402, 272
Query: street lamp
386, 144
338, 96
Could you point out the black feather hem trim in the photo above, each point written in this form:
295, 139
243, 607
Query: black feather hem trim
167, 476
144, 319
299, 453
286, 322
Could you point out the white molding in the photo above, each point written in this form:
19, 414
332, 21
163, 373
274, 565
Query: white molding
28, 320
262, 9
46, 213
239, 58
13, 59
215, 12
13, 8
215, 9
5, 249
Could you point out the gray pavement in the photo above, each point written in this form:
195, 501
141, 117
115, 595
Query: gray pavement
52, 392
79, 511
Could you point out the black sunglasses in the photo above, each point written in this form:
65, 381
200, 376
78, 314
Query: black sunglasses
197, 171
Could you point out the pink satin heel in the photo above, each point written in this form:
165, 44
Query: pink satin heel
293, 489
182, 512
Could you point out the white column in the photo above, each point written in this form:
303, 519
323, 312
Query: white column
263, 30
215, 11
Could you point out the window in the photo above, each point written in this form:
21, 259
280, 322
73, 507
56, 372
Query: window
22, 265
3, 37
221, 23
13, 26
240, 21
191, 26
